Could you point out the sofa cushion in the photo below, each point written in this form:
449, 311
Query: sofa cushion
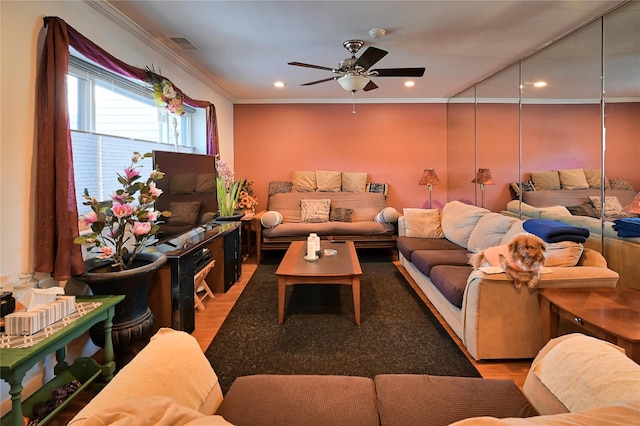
327, 181
546, 180
354, 182
340, 214
407, 245
271, 219
458, 220
315, 211
300, 400
303, 181
573, 179
387, 215
422, 223
563, 253
451, 280
414, 399
329, 228
365, 205
489, 231
424, 260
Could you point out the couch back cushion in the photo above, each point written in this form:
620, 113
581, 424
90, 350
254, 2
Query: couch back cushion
365, 205
458, 220
489, 231
422, 223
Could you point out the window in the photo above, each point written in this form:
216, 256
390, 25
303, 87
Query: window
110, 117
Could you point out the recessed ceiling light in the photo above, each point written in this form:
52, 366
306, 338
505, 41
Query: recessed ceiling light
279, 84
409, 83
540, 84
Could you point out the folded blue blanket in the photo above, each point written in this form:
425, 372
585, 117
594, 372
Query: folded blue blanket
553, 231
627, 227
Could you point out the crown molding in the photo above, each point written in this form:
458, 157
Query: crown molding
344, 101
124, 22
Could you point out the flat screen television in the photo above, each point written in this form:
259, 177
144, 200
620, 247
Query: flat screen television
188, 191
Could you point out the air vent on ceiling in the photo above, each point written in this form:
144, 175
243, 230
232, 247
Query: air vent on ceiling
183, 43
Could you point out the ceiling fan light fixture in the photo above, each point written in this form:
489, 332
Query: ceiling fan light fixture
353, 82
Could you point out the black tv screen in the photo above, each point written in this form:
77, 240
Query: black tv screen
188, 191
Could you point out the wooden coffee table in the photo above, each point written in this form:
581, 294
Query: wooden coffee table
342, 268
611, 314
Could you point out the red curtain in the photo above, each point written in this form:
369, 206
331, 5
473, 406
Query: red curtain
57, 213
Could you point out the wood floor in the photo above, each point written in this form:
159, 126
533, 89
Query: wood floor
209, 321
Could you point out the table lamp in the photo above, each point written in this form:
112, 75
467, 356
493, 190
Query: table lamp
429, 178
483, 178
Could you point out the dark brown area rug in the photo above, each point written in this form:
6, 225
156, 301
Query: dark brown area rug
398, 333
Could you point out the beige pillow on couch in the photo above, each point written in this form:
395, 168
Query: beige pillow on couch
422, 223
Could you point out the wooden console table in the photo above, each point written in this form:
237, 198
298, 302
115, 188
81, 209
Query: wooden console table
15, 362
611, 314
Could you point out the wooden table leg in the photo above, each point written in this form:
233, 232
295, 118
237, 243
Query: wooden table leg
282, 289
355, 285
550, 318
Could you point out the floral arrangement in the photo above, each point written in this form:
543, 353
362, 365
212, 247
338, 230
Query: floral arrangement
164, 93
247, 199
227, 190
127, 224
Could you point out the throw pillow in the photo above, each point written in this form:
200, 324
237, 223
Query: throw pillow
184, 213
459, 219
271, 219
278, 186
382, 188
621, 183
328, 181
526, 185
206, 182
315, 211
422, 223
387, 215
183, 184
489, 231
564, 253
354, 182
303, 181
594, 179
611, 204
573, 179
546, 181
340, 214
585, 209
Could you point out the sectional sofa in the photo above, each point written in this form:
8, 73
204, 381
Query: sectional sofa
493, 319
170, 382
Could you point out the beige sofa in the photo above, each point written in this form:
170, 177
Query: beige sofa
622, 254
170, 382
492, 318
367, 226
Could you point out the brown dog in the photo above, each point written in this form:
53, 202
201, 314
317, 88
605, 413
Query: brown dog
524, 253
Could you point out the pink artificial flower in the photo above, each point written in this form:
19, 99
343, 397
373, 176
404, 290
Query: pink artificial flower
122, 210
154, 191
141, 228
90, 217
152, 216
119, 197
131, 172
106, 252
136, 158
156, 174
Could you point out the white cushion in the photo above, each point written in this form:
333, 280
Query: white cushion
423, 223
327, 181
458, 220
489, 231
271, 219
387, 215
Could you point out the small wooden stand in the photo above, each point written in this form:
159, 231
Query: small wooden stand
198, 281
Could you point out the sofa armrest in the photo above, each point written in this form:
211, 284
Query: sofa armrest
591, 257
172, 365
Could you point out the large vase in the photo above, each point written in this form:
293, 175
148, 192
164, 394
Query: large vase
133, 320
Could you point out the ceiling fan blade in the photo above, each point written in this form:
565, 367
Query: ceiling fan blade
318, 67
370, 57
370, 86
399, 72
311, 83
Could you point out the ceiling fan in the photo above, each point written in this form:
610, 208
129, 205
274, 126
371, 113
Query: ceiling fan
354, 73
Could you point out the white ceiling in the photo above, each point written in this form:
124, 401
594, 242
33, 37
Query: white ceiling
244, 46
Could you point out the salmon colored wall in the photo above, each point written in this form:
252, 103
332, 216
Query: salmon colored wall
393, 143
622, 159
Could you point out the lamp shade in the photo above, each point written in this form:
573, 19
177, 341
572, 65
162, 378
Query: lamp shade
484, 177
634, 206
429, 177
352, 82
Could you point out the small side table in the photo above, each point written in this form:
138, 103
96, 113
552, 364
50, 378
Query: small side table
611, 314
251, 230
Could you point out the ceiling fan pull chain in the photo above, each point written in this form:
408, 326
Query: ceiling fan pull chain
353, 105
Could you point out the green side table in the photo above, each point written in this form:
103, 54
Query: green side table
14, 363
